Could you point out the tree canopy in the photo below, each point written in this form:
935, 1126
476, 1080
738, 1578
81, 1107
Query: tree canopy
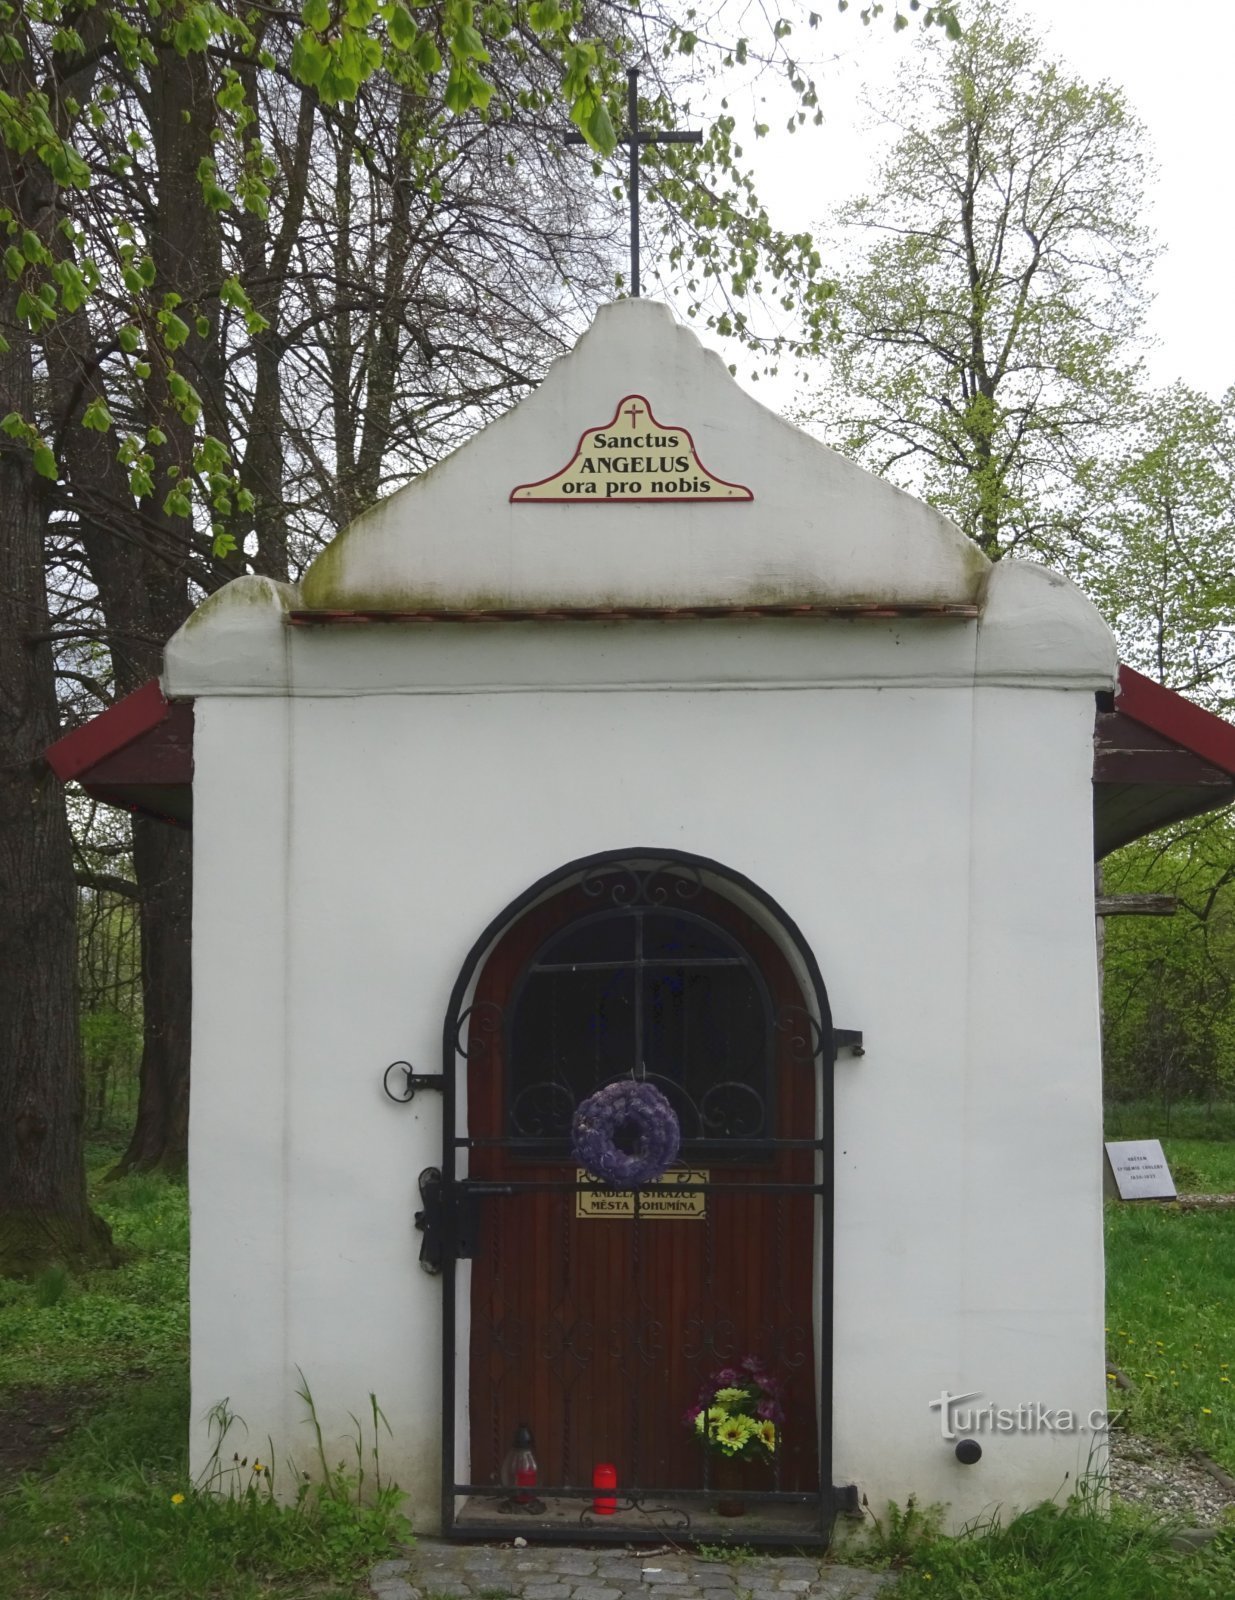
992, 286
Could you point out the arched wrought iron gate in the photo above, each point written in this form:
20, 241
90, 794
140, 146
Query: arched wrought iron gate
594, 1317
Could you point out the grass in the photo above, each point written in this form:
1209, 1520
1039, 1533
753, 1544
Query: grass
1075, 1551
114, 1517
110, 1513
1201, 1166
1171, 1324
105, 1322
1171, 1294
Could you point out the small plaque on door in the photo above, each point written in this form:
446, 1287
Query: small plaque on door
663, 1204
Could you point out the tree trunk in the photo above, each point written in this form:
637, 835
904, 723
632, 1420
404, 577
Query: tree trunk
144, 592
163, 859
44, 1214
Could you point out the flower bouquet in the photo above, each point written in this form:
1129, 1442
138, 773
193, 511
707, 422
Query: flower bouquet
738, 1412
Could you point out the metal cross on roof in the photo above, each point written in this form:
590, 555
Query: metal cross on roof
634, 138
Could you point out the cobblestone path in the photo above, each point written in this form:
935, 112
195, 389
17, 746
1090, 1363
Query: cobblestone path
436, 1570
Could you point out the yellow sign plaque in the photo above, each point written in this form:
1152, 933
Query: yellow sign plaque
633, 459
659, 1205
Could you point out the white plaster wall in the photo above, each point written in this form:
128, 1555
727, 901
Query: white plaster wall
931, 842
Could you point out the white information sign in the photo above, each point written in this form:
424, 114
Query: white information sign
1139, 1169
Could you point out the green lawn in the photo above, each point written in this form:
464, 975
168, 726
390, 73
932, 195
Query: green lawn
1201, 1166
1072, 1552
1171, 1306
1171, 1324
109, 1513
111, 1322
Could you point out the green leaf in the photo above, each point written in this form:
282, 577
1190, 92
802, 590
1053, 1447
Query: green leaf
97, 416
315, 14
458, 94
402, 30
600, 130
45, 462
545, 16
467, 44
427, 56
175, 329
310, 58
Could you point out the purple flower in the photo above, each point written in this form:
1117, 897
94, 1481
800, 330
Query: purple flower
688, 1417
726, 1378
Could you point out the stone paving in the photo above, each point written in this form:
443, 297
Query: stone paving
435, 1570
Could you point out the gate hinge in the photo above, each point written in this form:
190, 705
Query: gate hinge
846, 1500
429, 1220
848, 1039
412, 1080
449, 1218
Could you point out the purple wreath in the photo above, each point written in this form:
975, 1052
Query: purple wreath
643, 1117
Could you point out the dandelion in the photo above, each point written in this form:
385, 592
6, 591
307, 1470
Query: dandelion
1206, 1412
177, 1499
64, 1539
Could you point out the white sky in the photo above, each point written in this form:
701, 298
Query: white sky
1175, 65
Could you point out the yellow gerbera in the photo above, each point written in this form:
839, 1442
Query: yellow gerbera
731, 1435
728, 1397
767, 1435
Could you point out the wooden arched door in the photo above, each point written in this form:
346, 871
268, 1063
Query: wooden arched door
598, 1328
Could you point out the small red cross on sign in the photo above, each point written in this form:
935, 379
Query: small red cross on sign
634, 412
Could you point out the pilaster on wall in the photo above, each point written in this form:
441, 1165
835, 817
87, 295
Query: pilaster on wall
238, 1157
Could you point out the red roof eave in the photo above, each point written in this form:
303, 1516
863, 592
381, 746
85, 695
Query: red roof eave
109, 732
1176, 718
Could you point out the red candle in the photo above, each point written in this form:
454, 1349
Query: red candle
604, 1476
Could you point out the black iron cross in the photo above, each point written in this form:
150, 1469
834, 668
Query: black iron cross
634, 138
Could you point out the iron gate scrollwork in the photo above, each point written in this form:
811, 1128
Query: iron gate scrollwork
656, 965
